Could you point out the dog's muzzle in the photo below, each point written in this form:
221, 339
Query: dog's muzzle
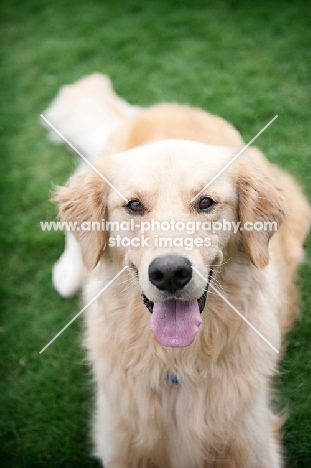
201, 301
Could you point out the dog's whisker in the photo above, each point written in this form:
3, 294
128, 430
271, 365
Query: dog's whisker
133, 272
122, 282
218, 265
122, 290
215, 284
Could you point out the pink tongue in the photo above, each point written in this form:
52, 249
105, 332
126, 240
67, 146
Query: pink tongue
175, 323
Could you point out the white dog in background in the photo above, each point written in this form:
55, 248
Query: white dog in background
86, 113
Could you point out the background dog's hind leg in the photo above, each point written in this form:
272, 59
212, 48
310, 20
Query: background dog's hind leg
69, 272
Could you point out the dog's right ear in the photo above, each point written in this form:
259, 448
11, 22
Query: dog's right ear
83, 200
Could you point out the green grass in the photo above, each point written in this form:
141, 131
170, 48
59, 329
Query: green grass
242, 61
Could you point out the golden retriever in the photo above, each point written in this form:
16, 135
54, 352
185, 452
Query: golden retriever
182, 381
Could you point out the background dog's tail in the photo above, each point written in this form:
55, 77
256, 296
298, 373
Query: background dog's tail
86, 113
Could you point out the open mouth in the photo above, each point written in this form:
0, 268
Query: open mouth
175, 323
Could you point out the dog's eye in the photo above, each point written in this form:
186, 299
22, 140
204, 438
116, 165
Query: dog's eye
134, 206
206, 203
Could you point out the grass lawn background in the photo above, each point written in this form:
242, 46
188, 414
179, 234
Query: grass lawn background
242, 61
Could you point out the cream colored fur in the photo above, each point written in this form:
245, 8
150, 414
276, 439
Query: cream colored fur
219, 415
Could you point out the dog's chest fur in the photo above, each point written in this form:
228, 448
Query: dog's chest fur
157, 419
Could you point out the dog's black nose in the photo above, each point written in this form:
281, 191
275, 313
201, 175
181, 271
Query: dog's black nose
170, 272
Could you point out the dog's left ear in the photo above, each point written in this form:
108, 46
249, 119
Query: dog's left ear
83, 200
259, 200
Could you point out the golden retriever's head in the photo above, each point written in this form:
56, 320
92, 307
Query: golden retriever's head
164, 232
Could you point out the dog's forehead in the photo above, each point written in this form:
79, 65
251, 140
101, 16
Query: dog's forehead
169, 162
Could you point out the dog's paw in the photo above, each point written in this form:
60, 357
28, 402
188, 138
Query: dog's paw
68, 275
